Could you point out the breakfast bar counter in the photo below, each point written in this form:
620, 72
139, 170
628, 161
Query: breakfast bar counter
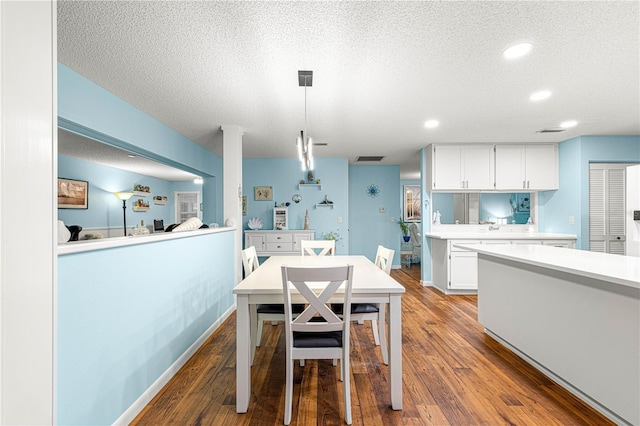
574, 315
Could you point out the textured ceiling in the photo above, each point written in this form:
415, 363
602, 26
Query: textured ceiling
381, 69
72, 145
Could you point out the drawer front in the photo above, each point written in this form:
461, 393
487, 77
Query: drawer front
279, 238
279, 247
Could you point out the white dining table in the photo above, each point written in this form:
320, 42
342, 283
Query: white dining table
264, 285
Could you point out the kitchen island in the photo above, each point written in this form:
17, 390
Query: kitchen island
455, 270
574, 315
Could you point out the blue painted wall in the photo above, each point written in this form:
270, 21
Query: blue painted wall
126, 314
284, 175
87, 109
105, 210
572, 199
368, 226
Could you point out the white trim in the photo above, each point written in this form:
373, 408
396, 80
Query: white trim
107, 243
146, 397
426, 283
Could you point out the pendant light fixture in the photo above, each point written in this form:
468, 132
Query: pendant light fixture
304, 143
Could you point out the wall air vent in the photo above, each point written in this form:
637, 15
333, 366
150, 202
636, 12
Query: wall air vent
369, 158
552, 130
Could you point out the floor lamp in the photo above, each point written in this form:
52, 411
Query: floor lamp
124, 196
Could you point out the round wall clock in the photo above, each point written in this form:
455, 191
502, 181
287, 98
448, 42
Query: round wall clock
296, 198
373, 190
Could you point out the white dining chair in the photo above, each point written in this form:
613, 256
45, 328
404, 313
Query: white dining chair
317, 333
318, 247
267, 311
374, 312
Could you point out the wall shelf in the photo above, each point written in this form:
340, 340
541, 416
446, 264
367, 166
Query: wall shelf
141, 193
316, 185
324, 205
140, 209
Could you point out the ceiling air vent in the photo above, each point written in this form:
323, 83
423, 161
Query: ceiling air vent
553, 130
369, 158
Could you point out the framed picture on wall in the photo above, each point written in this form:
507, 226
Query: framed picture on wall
73, 194
263, 193
412, 206
244, 205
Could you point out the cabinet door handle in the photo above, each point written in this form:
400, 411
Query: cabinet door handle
524, 184
527, 184
462, 184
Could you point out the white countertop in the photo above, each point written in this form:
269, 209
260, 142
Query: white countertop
623, 270
109, 243
497, 235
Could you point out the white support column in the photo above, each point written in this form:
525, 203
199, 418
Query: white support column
28, 237
232, 186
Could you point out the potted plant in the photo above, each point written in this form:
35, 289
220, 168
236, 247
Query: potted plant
405, 230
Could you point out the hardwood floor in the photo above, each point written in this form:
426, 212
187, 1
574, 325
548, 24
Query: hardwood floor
453, 374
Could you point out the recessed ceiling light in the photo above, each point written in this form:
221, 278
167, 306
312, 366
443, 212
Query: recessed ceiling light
538, 96
567, 124
517, 50
431, 124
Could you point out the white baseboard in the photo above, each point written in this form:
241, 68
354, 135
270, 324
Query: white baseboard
144, 399
426, 283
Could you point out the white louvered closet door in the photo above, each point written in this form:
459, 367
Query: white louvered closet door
187, 205
606, 208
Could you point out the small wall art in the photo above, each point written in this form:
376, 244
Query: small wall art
73, 194
244, 205
263, 193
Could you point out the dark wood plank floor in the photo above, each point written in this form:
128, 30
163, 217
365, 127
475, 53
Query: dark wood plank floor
453, 374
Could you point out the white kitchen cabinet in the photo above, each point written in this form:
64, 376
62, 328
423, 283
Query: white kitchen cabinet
531, 167
277, 242
461, 167
463, 270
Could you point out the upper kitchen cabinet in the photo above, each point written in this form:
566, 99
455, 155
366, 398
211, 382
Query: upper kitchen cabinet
460, 167
526, 167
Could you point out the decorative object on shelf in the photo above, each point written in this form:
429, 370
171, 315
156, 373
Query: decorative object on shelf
255, 223
405, 230
318, 181
124, 196
301, 182
436, 217
141, 188
160, 199
73, 194
412, 203
306, 220
280, 218
373, 190
304, 142
140, 206
263, 193
326, 200
229, 223
310, 177
140, 229
296, 198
